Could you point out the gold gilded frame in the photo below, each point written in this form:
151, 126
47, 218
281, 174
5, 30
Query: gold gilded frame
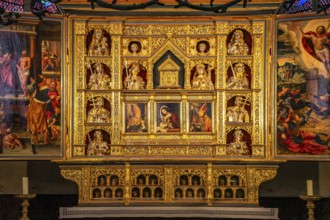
181, 39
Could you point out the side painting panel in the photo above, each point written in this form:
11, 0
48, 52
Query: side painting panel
302, 97
30, 90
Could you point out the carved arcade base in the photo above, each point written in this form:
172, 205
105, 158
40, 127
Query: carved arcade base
199, 184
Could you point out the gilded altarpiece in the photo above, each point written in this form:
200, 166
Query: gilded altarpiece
167, 93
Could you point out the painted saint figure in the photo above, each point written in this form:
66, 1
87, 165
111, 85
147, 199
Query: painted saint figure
168, 120
6, 75
202, 78
237, 46
238, 80
98, 46
135, 121
318, 45
23, 71
133, 81
97, 146
36, 112
200, 121
238, 146
238, 113
98, 114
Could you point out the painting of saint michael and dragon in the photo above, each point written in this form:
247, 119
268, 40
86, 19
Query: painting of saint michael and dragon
303, 78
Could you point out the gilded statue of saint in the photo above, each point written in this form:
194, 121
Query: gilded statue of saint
238, 113
98, 114
99, 45
202, 78
237, 46
238, 80
133, 81
98, 79
97, 146
238, 146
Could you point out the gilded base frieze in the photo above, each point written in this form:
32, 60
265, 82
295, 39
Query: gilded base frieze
208, 184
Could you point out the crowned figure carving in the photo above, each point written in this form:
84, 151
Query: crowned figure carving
98, 114
98, 79
238, 146
99, 45
237, 46
202, 77
238, 80
133, 80
238, 113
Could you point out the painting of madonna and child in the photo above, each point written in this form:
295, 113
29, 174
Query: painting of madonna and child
303, 78
30, 90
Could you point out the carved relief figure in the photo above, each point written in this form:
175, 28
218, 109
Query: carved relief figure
202, 47
98, 114
97, 146
99, 45
238, 146
133, 80
200, 121
135, 117
134, 48
238, 80
98, 79
237, 46
238, 113
202, 78
168, 120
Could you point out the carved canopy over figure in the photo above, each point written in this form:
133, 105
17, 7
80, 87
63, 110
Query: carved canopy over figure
238, 146
99, 45
238, 113
98, 79
98, 114
237, 46
238, 80
202, 78
133, 80
200, 121
97, 146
